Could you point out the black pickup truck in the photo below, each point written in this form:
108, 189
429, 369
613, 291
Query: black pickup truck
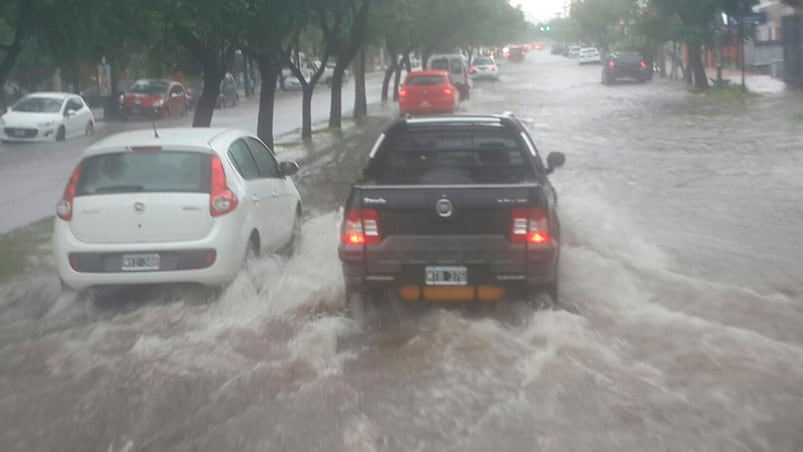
455, 208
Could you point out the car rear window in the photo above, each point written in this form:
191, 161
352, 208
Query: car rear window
483, 61
421, 80
451, 157
144, 172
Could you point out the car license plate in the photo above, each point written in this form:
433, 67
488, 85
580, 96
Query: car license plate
19, 133
140, 262
446, 276
425, 104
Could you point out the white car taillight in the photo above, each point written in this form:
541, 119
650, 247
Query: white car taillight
64, 207
221, 199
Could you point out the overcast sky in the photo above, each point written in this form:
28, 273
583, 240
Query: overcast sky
540, 10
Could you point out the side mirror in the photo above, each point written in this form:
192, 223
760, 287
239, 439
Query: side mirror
554, 160
288, 168
70, 113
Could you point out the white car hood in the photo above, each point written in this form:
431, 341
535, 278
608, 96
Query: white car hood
25, 119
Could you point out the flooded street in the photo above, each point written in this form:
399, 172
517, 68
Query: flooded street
681, 271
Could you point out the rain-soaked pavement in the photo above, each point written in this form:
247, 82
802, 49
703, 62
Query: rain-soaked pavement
683, 266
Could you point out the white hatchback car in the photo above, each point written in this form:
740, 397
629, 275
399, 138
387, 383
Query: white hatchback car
47, 116
188, 205
588, 55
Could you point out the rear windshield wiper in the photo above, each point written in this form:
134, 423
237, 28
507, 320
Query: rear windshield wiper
119, 188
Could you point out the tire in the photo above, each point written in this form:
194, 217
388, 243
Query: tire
252, 249
295, 239
61, 134
90, 129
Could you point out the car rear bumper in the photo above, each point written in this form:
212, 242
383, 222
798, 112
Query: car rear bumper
140, 110
82, 265
489, 261
434, 105
485, 75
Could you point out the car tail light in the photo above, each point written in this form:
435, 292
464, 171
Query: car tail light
493, 67
402, 92
473, 69
643, 65
612, 63
221, 199
64, 207
447, 91
529, 226
361, 227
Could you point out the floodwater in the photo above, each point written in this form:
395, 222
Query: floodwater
682, 267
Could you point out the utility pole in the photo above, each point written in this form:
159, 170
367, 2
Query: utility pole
741, 5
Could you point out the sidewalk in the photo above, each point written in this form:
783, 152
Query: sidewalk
755, 82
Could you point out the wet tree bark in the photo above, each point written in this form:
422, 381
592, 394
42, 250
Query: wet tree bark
269, 69
360, 100
696, 66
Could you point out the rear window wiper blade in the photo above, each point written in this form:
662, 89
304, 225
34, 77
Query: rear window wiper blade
119, 189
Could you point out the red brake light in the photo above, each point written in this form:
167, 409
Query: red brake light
361, 227
493, 67
643, 65
64, 207
473, 68
611, 63
529, 226
447, 91
402, 93
221, 199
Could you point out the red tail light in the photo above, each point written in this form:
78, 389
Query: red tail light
447, 91
493, 67
643, 65
361, 227
64, 207
221, 199
402, 93
611, 63
529, 226
473, 68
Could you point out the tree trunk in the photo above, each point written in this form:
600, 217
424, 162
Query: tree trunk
269, 70
424, 57
206, 103
397, 83
360, 100
391, 69
306, 111
696, 65
336, 107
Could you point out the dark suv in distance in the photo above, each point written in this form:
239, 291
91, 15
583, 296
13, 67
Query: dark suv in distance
626, 65
455, 208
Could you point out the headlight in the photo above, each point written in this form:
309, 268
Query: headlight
46, 123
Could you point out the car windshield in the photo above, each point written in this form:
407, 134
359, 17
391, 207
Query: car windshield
483, 61
151, 88
38, 105
451, 157
140, 172
421, 80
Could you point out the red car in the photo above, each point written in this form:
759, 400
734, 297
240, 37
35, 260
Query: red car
154, 99
428, 91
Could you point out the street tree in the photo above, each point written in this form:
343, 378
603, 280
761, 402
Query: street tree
270, 29
210, 30
344, 24
698, 19
18, 21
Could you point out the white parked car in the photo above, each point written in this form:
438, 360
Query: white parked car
47, 116
574, 51
293, 83
187, 206
588, 55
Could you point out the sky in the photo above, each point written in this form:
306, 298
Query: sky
540, 10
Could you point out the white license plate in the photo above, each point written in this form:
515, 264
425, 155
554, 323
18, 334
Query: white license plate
446, 276
425, 104
19, 133
140, 262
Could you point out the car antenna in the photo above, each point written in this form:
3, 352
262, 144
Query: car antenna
155, 132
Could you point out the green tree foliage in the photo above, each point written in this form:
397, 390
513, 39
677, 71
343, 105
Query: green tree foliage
18, 20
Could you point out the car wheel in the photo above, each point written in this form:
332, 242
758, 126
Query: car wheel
61, 134
90, 128
295, 239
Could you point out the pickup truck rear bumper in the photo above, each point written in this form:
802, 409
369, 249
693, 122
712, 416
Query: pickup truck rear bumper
489, 260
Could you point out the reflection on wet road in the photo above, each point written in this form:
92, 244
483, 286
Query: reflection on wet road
683, 262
